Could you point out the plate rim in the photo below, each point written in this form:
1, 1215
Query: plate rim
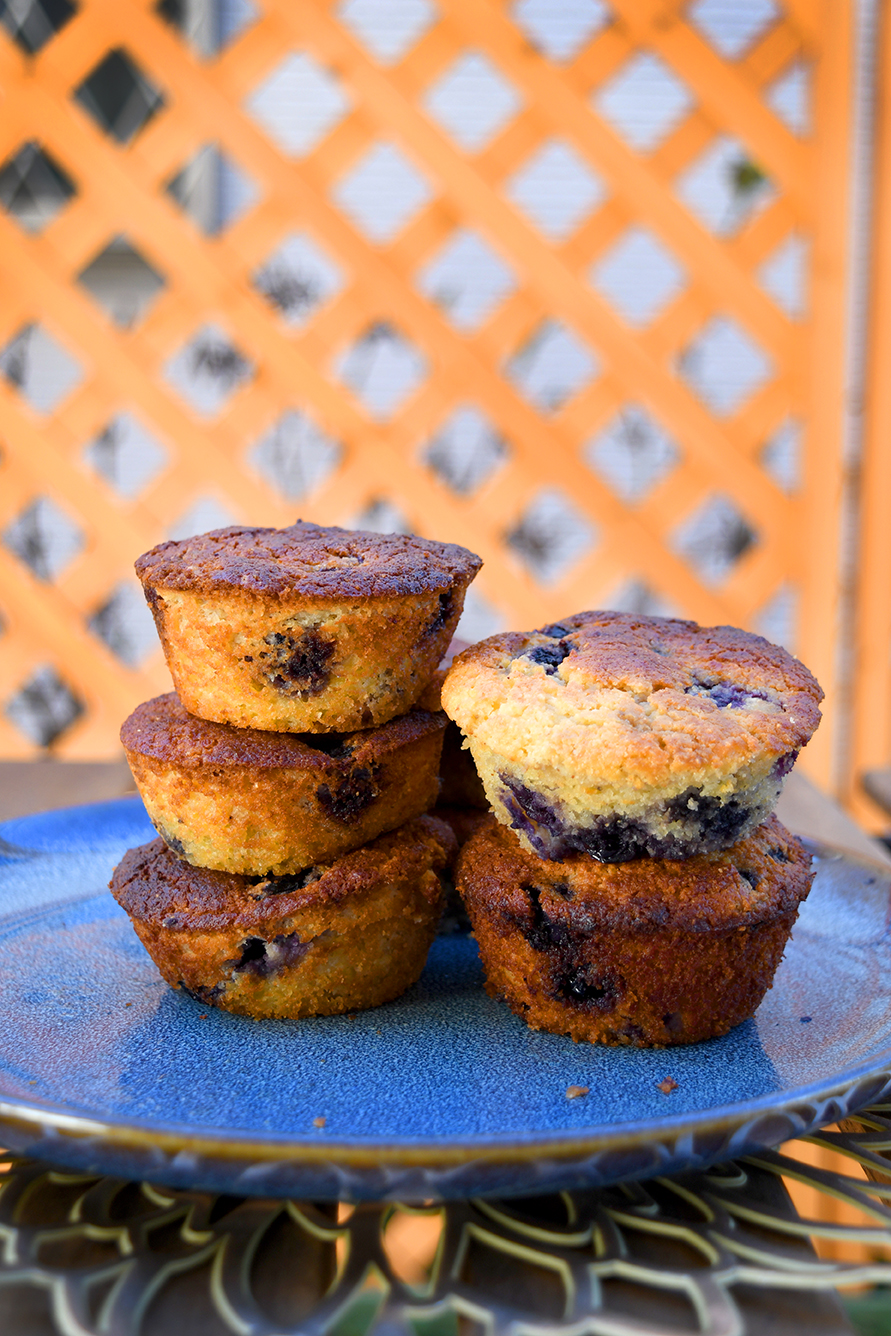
26, 1117
223, 1145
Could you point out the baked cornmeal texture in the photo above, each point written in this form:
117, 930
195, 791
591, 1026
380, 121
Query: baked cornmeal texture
242, 800
621, 737
644, 953
304, 629
333, 938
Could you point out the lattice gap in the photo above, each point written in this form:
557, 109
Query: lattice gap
560, 29
208, 370
212, 189
382, 368
467, 279
33, 23
44, 537
298, 104
388, 28
714, 539
44, 707
556, 189
551, 366
122, 281
208, 29
127, 455
40, 367
124, 624
550, 536
298, 278
295, 457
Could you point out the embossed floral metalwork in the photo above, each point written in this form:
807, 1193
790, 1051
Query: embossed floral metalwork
674, 1253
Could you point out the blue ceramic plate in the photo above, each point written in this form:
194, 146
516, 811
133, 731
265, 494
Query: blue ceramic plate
442, 1094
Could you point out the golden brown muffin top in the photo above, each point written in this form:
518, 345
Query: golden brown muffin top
154, 886
163, 730
651, 696
760, 878
306, 561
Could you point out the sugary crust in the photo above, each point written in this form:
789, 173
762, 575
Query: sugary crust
241, 800
337, 938
645, 952
655, 701
306, 561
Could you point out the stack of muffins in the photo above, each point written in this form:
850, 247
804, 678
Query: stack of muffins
632, 885
295, 874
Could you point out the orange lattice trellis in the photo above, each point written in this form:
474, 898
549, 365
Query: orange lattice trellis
121, 191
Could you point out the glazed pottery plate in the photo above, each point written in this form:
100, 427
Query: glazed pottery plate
441, 1094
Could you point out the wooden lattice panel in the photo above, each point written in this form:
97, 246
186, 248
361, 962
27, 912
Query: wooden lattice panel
584, 338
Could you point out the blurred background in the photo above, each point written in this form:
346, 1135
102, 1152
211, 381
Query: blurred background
599, 290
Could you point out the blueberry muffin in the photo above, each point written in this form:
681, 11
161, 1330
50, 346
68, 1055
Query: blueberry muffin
647, 952
333, 938
620, 736
304, 629
242, 800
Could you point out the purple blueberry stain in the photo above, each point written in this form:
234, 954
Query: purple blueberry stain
542, 932
446, 608
600, 992
784, 764
726, 695
173, 844
352, 796
531, 814
702, 823
298, 667
288, 882
556, 631
264, 958
612, 839
707, 821
551, 656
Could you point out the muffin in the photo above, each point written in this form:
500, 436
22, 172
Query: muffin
460, 785
334, 938
647, 952
241, 800
621, 736
304, 629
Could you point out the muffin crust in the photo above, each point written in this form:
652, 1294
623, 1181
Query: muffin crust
242, 800
334, 938
646, 952
304, 629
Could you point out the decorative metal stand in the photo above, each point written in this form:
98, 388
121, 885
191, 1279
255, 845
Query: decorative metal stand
721, 1252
